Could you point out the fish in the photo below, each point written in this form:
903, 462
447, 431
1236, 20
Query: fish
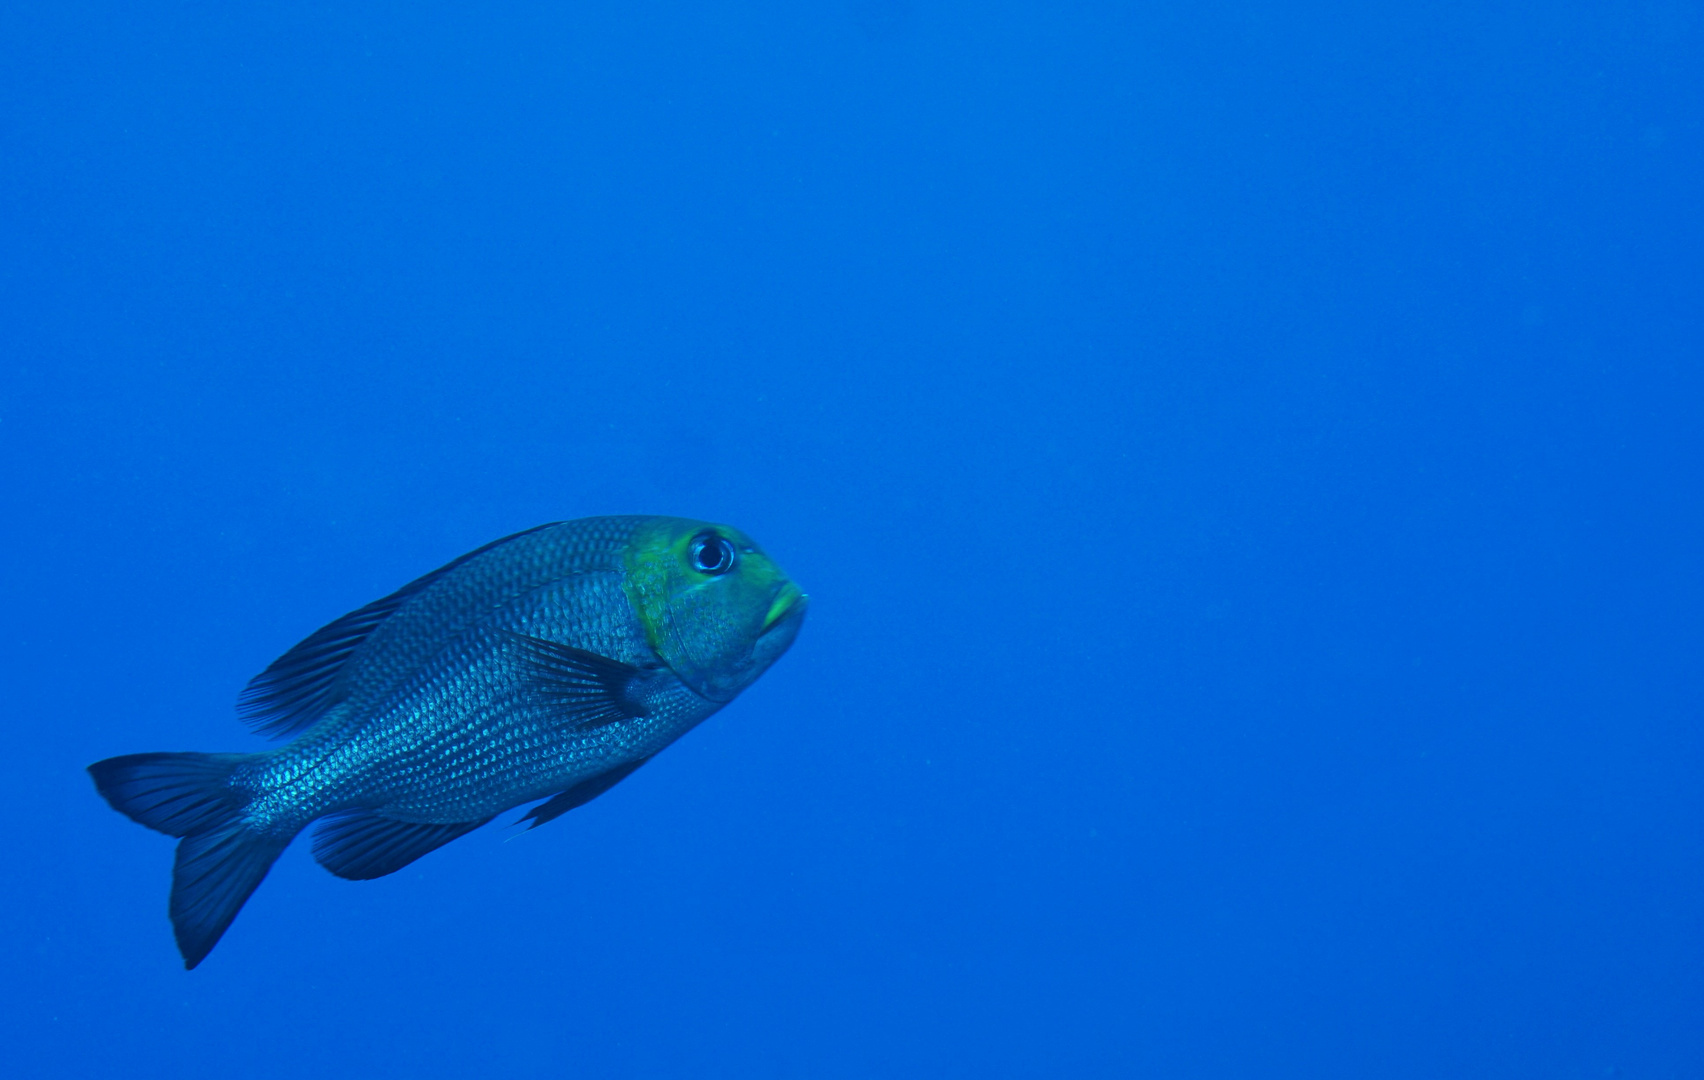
549, 664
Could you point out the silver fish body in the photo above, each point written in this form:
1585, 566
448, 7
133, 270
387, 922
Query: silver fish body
550, 664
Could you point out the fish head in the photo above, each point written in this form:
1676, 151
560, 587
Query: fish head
715, 608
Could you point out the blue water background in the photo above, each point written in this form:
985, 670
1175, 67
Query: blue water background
1245, 458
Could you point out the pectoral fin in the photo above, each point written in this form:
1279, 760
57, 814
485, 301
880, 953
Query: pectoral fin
586, 691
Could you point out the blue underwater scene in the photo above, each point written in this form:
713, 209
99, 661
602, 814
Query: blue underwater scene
1243, 462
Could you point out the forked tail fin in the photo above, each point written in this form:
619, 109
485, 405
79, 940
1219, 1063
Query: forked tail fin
220, 859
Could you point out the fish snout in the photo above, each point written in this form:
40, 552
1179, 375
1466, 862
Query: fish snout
789, 603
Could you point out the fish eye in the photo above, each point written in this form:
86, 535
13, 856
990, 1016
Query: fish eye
711, 554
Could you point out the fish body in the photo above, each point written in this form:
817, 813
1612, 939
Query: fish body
547, 665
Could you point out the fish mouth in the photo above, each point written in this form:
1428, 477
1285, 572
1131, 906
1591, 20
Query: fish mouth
788, 605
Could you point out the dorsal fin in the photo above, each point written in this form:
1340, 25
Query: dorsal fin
301, 685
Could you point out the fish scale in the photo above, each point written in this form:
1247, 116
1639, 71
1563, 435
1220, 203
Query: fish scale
484, 586
547, 665
422, 680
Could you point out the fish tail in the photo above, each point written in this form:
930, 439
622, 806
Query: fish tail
220, 858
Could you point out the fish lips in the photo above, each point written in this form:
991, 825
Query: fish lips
785, 617
779, 629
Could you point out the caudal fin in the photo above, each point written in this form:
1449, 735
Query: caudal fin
220, 859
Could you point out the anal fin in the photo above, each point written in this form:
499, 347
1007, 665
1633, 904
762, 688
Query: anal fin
359, 845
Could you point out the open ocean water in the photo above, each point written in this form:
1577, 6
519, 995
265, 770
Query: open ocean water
1245, 458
